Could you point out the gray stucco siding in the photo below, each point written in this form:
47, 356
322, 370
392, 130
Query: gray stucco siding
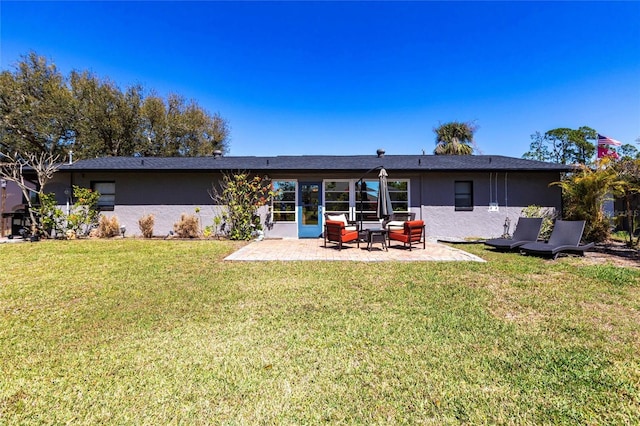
437, 206
521, 188
167, 194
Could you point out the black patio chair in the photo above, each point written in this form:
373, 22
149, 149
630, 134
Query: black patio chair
527, 231
565, 238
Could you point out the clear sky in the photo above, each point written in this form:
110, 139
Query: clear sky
350, 77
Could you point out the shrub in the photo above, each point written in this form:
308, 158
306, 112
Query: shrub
187, 227
584, 193
242, 195
547, 215
108, 227
81, 218
145, 223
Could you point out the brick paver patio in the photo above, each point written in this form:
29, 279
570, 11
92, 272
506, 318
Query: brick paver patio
312, 249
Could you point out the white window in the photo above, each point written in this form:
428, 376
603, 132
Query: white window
337, 197
284, 203
366, 198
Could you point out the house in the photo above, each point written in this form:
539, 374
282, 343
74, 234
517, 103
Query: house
456, 196
13, 215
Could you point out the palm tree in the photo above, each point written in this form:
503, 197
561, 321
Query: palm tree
454, 138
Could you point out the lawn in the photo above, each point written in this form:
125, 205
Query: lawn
166, 332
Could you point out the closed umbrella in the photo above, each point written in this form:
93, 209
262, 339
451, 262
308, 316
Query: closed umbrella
384, 209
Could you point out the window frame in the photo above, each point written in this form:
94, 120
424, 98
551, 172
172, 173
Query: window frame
468, 196
274, 201
348, 192
394, 203
102, 205
370, 215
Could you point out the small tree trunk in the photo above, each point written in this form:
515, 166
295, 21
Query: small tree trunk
630, 221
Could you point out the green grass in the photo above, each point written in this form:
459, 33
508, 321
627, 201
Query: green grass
165, 332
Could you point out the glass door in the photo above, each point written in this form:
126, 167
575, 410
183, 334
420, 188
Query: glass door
310, 210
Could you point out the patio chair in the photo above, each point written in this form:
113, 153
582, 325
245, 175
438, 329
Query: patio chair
335, 231
396, 221
412, 232
527, 231
565, 238
349, 225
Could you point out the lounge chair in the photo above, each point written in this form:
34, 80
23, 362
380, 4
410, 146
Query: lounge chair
527, 231
412, 232
335, 231
565, 238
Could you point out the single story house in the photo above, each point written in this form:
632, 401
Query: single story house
456, 196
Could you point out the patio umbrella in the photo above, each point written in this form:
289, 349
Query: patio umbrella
384, 209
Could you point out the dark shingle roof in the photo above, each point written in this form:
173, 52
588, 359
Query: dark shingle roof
316, 162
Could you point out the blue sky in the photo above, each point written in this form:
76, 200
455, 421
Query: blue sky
351, 77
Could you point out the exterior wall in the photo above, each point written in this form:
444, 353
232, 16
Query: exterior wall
165, 195
168, 195
13, 202
511, 191
13, 199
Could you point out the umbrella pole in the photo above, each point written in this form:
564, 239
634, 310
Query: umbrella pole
361, 180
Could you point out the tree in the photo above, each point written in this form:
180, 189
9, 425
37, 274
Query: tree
584, 193
454, 138
43, 111
36, 113
108, 119
178, 128
538, 148
564, 145
43, 164
629, 187
628, 151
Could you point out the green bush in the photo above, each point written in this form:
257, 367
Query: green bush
242, 195
548, 216
82, 217
584, 193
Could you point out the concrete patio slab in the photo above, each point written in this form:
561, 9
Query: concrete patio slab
313, 249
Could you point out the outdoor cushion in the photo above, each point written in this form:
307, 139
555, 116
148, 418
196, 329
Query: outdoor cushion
342, 218
412, 232
395, 226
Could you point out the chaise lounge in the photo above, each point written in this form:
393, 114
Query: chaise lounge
565, 238
527, 231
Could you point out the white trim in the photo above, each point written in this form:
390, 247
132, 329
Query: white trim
295, 203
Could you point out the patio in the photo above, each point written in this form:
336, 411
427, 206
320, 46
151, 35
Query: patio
312, 249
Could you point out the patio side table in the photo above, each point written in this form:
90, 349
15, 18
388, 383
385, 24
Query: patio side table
377, 235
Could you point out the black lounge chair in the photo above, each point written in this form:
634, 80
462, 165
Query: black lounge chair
527, 231
565, 238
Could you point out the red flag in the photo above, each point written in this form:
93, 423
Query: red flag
605, 140
603, 152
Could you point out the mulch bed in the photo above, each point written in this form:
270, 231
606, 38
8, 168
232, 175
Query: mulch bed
614, 252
